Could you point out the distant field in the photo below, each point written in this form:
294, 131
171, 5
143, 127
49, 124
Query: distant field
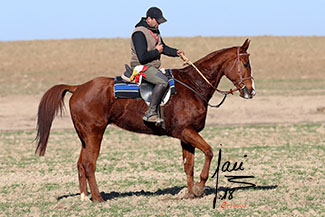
146, 178
31, 67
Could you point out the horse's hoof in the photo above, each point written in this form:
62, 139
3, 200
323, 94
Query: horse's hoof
188, 196
198, 190
84, 197
98, 199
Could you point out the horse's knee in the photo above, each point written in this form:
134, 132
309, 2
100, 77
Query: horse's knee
209, 154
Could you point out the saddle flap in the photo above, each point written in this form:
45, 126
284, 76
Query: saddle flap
146, 93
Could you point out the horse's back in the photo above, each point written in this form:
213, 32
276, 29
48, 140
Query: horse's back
96, 85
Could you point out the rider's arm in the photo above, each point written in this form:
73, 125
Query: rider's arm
140, 45
172, 52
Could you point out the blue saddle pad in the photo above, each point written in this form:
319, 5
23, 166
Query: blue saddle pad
123, 89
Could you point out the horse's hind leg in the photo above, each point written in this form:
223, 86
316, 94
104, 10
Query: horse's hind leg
91, 138
82, 178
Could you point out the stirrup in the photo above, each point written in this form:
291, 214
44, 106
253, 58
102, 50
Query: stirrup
159, 122
152, 118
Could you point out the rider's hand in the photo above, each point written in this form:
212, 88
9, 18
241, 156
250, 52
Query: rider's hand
160, 48
180, 53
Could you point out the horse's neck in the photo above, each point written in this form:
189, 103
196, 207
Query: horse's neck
211, 67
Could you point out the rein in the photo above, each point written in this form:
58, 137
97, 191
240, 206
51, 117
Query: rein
187, 61
225, 93
197, 93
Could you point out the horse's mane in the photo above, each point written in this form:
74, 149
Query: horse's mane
208, 57
181, 73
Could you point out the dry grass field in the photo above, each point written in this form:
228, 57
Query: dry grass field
281, 130
30, 67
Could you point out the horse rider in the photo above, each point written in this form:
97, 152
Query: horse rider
146, 49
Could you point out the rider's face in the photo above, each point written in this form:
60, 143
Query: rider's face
152, 22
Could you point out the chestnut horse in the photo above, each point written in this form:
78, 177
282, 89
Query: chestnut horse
93, 106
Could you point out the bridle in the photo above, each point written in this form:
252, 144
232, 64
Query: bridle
225, 93
241, 82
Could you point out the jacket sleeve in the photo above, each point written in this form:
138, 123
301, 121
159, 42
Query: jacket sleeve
140, 45
172, 52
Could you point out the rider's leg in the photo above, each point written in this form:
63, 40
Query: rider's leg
155, 76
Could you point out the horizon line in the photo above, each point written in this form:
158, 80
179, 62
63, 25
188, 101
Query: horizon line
196, 36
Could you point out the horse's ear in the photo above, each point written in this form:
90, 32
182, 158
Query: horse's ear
245, 45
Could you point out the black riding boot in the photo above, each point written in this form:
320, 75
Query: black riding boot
127, 74
157, 93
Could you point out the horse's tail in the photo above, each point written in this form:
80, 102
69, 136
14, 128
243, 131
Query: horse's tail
51, 104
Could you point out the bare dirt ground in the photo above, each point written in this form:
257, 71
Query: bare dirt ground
19, 111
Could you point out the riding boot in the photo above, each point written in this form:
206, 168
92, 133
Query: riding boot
151, 114
127, 74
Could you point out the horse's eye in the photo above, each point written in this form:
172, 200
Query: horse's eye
246, 65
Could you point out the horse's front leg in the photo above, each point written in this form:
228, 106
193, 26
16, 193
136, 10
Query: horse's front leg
190, 136
188, 160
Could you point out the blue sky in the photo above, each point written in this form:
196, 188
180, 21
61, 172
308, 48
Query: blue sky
65, 19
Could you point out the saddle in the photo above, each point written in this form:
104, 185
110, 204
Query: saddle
143, 90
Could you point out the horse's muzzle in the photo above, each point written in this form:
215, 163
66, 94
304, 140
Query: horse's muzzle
247, 93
